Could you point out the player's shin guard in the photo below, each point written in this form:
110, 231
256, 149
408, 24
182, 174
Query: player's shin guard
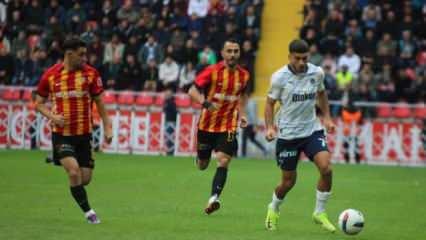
219, 181
80, 196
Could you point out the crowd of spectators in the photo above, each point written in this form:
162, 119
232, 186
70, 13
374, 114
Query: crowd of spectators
135, 44
372, 50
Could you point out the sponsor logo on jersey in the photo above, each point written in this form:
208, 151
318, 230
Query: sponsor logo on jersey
303, 97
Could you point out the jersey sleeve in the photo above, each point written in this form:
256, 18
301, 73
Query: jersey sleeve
275, 88
43, 85
204, 78
96, 87
321, 75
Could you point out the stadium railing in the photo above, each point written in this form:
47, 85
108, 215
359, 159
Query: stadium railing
390, 133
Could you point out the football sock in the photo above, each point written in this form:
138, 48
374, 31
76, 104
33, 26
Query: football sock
80, 196
276, 202
219, 180
322, 198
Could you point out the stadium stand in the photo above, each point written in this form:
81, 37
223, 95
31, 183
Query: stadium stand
385, 57
128, 40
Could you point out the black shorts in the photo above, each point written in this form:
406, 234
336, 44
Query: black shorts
79, 147
288, 151
225, 142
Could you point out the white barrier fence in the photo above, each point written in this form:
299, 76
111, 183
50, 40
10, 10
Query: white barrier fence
141, 131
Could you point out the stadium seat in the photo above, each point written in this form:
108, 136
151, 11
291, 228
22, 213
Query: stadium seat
126, 98
182, 101
144, 99
402, 111
159, 100
11, 94
109, 97
420, 112
384, 111
26, 95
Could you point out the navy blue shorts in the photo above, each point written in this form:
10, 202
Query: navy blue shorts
288, 151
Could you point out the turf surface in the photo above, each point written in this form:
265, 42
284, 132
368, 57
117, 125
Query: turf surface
140, 197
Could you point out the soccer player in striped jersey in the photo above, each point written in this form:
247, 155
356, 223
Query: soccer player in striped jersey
297, 87
71, 86
220, 89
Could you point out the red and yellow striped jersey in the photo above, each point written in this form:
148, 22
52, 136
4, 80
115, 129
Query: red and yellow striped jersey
224, 87
71, 95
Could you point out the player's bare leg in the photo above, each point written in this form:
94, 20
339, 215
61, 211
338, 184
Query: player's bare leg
323, 162
202, 164
86, 175
75, 176
219, 181
288, 180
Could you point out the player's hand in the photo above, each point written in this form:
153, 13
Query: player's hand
108, 134
58, 120
210, 106
329, 125
271, 134
243, 122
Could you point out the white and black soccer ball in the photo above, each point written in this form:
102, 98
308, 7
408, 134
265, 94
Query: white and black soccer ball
351, 221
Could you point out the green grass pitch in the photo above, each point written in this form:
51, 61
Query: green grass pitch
146, 197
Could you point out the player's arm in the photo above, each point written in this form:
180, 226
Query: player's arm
201, 82
269, 118
41, 95
242, 110
274, 93
100, 106
324, 105
40, 106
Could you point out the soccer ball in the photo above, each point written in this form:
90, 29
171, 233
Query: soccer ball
351, 221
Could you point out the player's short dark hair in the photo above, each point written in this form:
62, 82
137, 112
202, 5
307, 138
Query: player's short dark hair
73, 43
230, 40
298, 46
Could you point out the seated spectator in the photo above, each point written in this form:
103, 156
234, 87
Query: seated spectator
385, 87
198, 7
386, 47
34, 15
150, 76
128, 12
7, 67
190, 53
162, 33
150, 50
334, 24
250, 20
208, 54
130, 75
371, 15
168, 74
344, 78
132, 47
114, 50
22, 69
107, 11
19, 43
186, 77
315, 57
75, 18
351, 60
330, 62
407, 48
54, 9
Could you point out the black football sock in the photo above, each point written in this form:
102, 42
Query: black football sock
80, 196
219, 180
